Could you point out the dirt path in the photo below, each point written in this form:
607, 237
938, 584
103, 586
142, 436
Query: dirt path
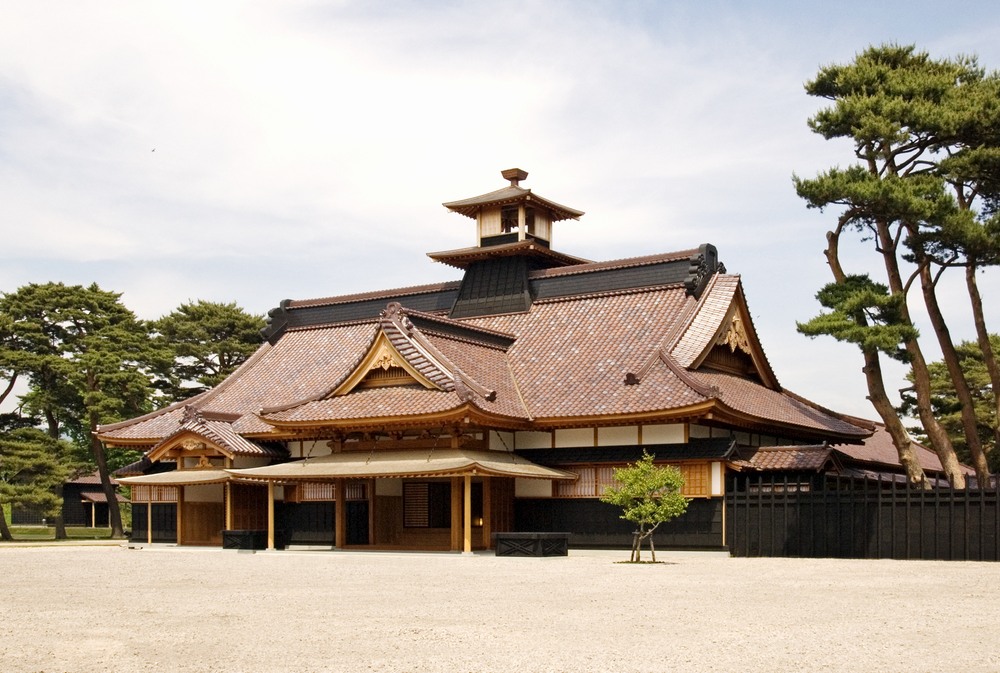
117, 609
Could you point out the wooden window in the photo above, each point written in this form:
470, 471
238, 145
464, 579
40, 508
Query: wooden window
310, 492
426, 504
508, 219
595, 479
147, 493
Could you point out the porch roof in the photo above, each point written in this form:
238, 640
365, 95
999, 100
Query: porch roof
179, 478
400, 464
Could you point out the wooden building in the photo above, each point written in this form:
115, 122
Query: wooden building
430, 417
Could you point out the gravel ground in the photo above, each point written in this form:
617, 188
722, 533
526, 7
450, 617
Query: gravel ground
111, 608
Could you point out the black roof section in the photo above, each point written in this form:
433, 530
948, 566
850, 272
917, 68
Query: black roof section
507, 284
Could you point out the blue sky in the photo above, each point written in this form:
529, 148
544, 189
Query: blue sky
256, 151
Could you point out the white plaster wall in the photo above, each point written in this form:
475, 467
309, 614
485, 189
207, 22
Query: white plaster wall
392, 487
672, 433
312, 449
204, 493
624, 436
717, 483
699, 431
497, 440
574, 437
532, 440
532, 488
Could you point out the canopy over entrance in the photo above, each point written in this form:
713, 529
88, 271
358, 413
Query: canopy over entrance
178, 478
401, 464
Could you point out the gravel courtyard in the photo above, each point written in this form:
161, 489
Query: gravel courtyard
110, 608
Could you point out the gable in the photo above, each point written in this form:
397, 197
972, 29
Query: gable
383, 365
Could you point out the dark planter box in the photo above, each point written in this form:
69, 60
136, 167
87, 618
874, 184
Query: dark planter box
531, 544
244, 539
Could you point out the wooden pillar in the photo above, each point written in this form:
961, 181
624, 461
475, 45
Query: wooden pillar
229, 505
371, 511
456, 514
93, 514
180, 514
270, 515
467, 516
340, 514
149, 515
487, 512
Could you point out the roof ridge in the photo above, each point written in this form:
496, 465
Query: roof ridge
396, 315
622, 263
376, 294
173, 406
329, 389
605, 293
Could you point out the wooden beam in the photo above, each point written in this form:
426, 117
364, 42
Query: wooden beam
270, 515
456, 514
340, 514
487, 511
467, 516
180, 514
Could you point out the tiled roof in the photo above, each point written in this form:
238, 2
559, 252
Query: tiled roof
563, 362
755, 401
790, 458
511, 194
878, 448
222, 435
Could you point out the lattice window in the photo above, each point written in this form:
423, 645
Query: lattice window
152, 493
426, 504
595, 479
310, 492
584, 487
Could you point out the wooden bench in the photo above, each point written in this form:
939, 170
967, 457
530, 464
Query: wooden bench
531, 544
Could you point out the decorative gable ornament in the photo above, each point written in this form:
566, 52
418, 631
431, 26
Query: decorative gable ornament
735, 336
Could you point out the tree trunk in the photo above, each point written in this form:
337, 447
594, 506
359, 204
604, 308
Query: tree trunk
4, 530
936, 433
652, 547
983, 339
60, 522
114, 512
876, 384
958, 380
10, 387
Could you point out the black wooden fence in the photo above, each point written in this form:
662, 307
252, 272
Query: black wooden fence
862, 518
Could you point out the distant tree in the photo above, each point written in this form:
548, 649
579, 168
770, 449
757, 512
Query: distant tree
208, 341
32, 472
926, 133
947, 406
88, 360
648, 494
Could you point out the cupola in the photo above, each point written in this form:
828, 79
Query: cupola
513, 213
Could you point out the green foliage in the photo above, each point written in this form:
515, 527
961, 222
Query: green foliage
88, 358
649, 495
948, 409
862, 312
32, 469
208, 340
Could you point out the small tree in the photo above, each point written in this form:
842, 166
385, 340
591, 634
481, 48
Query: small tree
648, 495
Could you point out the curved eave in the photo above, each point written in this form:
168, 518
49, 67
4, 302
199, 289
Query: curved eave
396, 464
693, 411
463, 257
178, 478
471, 207
464, 414
727, 414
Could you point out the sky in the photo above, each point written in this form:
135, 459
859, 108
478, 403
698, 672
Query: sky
256, 151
